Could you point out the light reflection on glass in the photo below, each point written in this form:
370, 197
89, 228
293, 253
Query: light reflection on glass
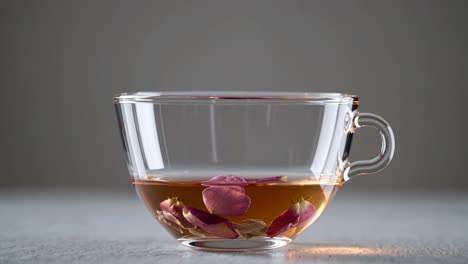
325, 139
149, 136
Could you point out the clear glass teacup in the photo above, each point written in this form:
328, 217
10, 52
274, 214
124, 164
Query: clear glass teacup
242, 170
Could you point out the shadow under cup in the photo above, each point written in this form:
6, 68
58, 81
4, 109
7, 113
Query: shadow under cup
242, 170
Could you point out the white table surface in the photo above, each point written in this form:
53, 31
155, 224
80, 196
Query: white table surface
92, 226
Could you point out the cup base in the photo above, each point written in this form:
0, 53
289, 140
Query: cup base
251, 244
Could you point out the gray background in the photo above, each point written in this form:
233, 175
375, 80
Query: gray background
61, 62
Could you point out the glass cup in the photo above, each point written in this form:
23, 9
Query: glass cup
242, 170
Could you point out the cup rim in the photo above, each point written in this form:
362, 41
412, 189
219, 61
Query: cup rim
238, 96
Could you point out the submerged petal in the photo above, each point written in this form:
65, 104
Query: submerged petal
300, 213
226, 200
212, 224
174, 207
251, 227
225, 179
198, 232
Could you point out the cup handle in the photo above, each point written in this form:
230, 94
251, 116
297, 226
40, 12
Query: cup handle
386, 153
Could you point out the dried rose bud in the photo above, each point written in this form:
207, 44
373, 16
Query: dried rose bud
212, 224
174, 207
298, 214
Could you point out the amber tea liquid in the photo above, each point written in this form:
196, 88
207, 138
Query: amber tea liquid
269, 209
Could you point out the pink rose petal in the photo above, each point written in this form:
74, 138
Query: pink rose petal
225, 196
174, 207
212, 224
225, 180
296, 215
267, 179
226, 200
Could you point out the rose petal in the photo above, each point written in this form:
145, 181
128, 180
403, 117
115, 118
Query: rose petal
251, 227
169, 220
267, 179
296, 215
225, 179
174, 206
212, 224
226, 200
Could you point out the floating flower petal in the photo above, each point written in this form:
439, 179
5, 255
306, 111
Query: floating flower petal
225, 196
212, 224
225, 180
300, 213
226, 200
